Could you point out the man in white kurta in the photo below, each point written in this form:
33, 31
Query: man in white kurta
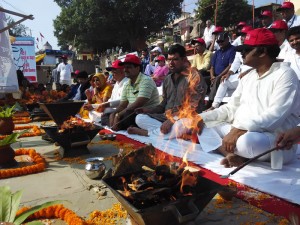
65, 70
264, 104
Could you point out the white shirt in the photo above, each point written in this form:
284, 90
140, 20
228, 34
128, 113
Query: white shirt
117, 90
65, 71
237, 65
294, 21
285, 48
78, 94
237, 41
294, 60
207, 35
261, 104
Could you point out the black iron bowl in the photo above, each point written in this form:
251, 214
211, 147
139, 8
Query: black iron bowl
74, 143
31, 107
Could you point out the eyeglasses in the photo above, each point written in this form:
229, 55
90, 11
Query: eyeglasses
220, 41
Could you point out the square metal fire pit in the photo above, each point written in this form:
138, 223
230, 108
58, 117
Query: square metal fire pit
173, 212
74, 143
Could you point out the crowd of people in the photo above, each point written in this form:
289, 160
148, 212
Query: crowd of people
259, 71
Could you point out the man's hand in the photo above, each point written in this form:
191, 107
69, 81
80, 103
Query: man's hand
225, 77
166, 127
88, 107
229, 141
287, 139
141, 110
114, 120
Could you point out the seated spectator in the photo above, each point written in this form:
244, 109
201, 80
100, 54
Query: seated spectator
161, 71
103, 111
139, 91
266, 18
220, 64
280, 29
84, 84
239, 27
202, 59
77, 91
65, 88
155, 52
145, 59
184, 89
102, 91
264, 104
230, 80
287, 11
293, 37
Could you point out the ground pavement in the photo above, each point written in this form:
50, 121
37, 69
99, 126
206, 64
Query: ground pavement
67, 181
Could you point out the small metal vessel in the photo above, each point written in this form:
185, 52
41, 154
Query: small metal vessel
95, 168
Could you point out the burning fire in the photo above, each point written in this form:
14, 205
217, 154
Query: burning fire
75, 123
189, 106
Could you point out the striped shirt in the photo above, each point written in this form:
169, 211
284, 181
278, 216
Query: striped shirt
144, 87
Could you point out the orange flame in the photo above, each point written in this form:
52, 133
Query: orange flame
188, 109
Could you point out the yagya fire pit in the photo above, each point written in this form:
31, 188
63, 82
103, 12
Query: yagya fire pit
160, 195
71, 133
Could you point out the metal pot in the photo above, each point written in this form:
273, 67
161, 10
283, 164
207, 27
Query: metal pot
95, 168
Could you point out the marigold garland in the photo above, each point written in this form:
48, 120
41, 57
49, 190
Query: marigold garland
55, 212
107, 217
35, 131
38, 160
21, 120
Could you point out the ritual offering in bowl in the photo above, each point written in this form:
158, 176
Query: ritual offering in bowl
110, 137
71, 133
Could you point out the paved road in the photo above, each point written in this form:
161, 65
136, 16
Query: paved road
65, 181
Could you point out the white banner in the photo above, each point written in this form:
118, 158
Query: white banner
24, 57
8, 75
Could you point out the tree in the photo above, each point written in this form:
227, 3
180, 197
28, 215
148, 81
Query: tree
19, 30
102, 24
229, 13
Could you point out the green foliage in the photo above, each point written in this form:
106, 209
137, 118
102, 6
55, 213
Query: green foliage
101, 24
12, 138
7, 111
230, 12
19, 30
9, 205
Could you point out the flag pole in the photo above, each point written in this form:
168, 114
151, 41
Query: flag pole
216, 13
253, 13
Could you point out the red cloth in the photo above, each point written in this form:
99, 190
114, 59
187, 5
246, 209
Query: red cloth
273, 205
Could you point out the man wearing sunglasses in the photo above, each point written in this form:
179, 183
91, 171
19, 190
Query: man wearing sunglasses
220, 64
264, 104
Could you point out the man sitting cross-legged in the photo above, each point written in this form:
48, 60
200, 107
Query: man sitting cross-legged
264, 104
139, 91
183, 89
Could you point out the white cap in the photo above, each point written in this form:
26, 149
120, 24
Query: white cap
156, 49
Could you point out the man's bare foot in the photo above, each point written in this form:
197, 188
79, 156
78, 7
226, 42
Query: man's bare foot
232, 160
225, 162
138, 131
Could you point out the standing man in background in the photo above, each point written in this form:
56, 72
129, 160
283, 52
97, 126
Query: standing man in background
64, 71
207, 35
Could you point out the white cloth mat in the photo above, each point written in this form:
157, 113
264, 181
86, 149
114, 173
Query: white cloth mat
283, 183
